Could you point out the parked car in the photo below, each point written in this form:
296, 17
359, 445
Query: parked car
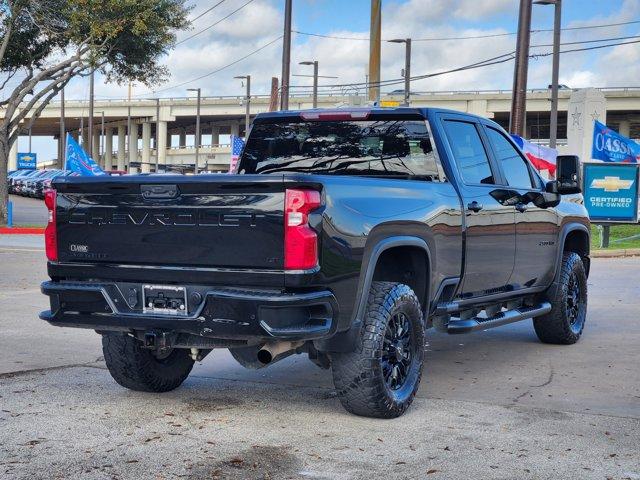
18, 182
345, 236
31, 184
42, 183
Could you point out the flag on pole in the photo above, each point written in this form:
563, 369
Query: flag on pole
610, 146
77, 160
542, 158
236, 149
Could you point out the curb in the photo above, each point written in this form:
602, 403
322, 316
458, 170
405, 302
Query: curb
627, 252
21, 230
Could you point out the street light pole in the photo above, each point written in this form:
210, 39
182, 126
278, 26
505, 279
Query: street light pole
90, 126
197, 136
102, 140
247, 113
63, 133
520, 70
555, 72
157, 134
407, 67
286, 56
315, 80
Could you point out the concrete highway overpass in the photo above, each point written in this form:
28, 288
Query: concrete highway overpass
224, 116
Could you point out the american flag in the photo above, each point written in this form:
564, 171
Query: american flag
236, 149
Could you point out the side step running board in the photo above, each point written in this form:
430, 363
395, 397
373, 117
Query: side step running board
499, 319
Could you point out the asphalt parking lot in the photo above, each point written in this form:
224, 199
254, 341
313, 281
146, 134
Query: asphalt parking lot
495, 404
28, 211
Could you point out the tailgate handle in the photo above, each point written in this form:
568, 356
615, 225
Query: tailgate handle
159, 191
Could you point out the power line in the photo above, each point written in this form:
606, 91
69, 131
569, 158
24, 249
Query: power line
598, 40
213, 71
505, 57
207, 11
483, 63
215, 23
470, 37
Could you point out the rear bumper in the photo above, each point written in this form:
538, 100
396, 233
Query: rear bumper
221, 313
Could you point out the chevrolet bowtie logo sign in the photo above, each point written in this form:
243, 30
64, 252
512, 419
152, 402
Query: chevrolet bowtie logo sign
611, 184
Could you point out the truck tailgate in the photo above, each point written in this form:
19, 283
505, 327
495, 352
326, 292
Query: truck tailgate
225, 221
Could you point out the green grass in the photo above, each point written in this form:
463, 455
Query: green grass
617, 232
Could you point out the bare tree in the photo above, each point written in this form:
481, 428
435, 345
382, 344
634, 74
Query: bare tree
46, 43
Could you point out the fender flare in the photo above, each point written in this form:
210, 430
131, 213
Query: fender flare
366, 279
566, 230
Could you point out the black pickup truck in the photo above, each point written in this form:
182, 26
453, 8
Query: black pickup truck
345, 235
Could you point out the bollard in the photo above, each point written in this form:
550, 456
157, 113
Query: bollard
9, 213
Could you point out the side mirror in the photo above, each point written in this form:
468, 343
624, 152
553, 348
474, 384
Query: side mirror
568, 175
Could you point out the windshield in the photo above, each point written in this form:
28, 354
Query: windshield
369, 147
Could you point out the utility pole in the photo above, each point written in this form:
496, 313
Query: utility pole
157, 134
555, 72
315, 80
375, 35
286, 56
247, 113
520, 70
273, 101
407, 68
63, 134
90, 125
197, 135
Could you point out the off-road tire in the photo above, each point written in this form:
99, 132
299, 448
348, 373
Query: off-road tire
359, 376
558, 326
139, 369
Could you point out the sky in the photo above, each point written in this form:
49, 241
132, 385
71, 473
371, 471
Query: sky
260, 23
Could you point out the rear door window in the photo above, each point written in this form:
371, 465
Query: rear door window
514, 167
468, 152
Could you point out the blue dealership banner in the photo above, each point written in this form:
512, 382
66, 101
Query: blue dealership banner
610, 146
27, 161
79, 161
611, 192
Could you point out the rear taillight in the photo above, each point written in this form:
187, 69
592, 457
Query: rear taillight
300, 241
50, 233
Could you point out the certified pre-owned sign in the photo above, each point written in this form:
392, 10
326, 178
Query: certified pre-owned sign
611, 192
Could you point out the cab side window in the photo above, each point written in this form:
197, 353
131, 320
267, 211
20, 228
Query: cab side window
514, 167
468, 152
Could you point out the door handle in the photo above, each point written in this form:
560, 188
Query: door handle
474, 206
521, 207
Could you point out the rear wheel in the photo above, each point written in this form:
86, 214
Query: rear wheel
142, 369
565, 322
380, 378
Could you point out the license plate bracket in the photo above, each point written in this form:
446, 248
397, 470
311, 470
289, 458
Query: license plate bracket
164, 300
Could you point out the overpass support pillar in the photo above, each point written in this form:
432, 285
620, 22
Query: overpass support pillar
85, 139
145, 165
161, 148
183, 138
108, 149
95, 147
122, 145
625, 128
235, 129
133, 148
215, 135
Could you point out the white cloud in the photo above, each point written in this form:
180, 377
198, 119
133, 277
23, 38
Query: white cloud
261, 22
